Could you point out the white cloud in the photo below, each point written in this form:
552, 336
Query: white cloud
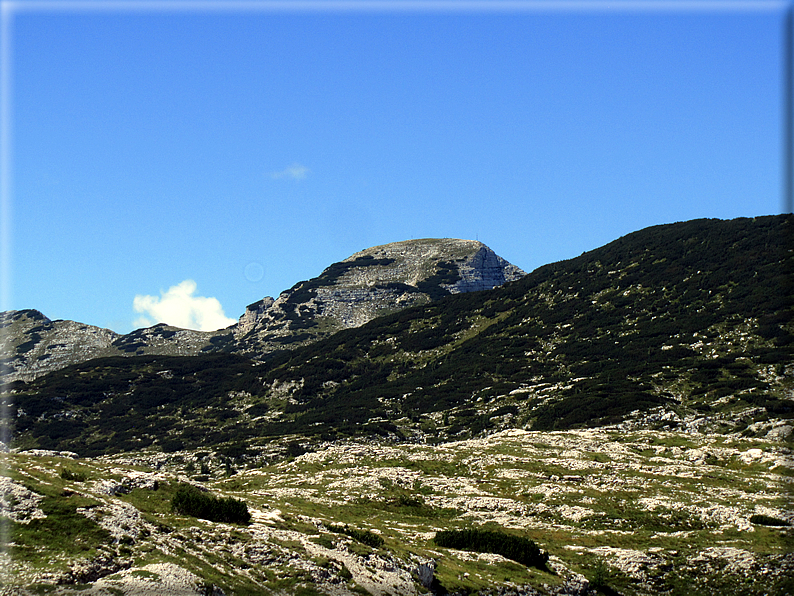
296, 171
180, 308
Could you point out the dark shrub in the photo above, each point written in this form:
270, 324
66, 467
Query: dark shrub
72, 475
189, 500
765, 520
363, 536
517, 548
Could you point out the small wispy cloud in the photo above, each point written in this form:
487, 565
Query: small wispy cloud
296, 172
179, 307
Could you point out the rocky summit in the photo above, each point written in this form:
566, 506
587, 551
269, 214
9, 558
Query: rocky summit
376, 281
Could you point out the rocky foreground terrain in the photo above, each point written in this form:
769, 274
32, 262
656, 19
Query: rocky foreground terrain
619, 511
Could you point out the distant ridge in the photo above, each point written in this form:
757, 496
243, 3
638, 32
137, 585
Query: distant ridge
683, 327
373, 282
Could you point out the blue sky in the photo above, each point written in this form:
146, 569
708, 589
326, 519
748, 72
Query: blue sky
246, 150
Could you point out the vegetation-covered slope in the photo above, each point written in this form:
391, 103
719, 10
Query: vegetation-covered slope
690, 322
695, 315
635, 513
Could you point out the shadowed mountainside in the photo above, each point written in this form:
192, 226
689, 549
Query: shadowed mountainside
683, 326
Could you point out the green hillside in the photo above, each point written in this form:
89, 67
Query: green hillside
694, 315
669, 327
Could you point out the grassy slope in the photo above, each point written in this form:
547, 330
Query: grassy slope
644, 512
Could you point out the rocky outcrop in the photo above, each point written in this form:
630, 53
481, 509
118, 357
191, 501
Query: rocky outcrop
18, 503
85, 572
33, 345
253, 313
374, 282
484, 270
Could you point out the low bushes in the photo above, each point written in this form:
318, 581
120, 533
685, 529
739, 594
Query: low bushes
72, 475
766, 520
189, 500
517, 548
363, 536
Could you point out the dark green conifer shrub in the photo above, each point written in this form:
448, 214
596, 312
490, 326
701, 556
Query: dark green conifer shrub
766, 520
72, 475
363, 536
517, 548
189, 500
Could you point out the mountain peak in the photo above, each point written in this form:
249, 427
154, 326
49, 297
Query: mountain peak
370, 283
478, 267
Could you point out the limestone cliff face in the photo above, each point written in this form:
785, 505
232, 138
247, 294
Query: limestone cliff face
368, 284
253, 313
485, 270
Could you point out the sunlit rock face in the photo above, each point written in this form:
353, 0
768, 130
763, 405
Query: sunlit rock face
485, 270
370, 283
416, 261
253, 313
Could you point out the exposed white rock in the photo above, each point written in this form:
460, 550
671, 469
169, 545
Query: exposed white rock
253, 313
780, 432
739, 561
376, 281
17, 503
130, 481
119, 518
160, 579
633, 563
484, 270
49, 453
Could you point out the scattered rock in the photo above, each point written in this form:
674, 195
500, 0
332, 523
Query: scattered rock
84, 572
17, 503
